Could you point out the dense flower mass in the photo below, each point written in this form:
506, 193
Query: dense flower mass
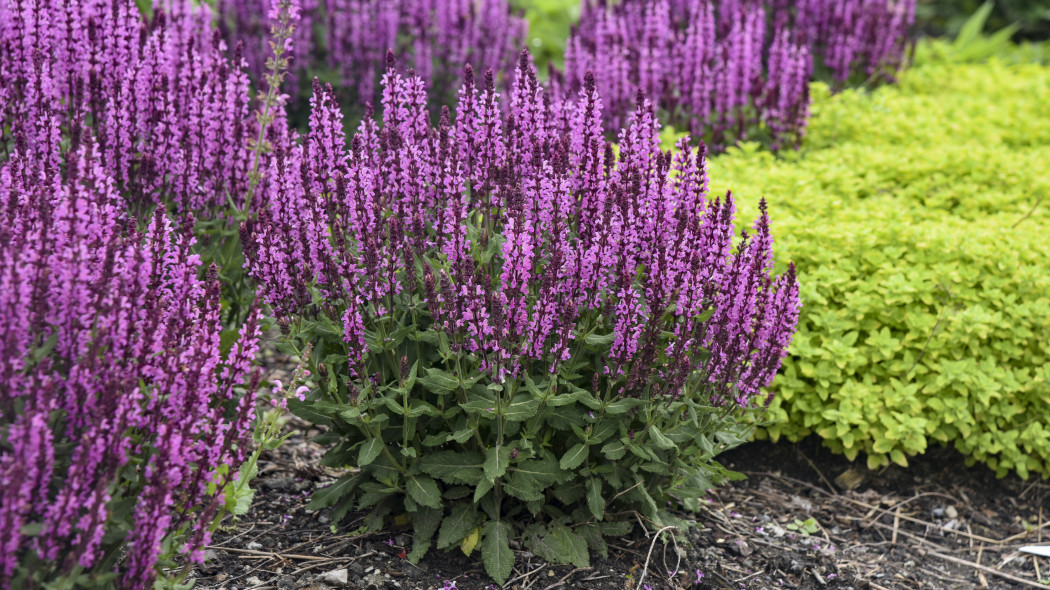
722, 68
117, 411
352, 37
167, 105
524, 239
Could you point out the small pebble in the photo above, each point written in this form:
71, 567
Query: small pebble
254, 546
335, 577
951, 512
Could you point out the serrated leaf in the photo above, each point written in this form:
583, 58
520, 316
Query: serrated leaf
622, 406
495, 551
334, 493
460, 521
600, 341
483, 487
439, 381
496, 461
424, 490
557, 544
595, 500
460, 436
659, 439
528, 479
425, 522
593, 536
616, 528
614, 450
420, 408
522, 407
369, 451
574, 456
469, 542
311, 412
453, 466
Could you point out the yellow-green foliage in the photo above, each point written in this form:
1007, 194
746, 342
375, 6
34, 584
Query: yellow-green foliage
927, 312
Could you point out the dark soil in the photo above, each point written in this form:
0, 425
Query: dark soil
936, 525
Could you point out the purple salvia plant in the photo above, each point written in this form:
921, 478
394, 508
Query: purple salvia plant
117, 411
522, 255
507, 294
353, 37
723, 69
165, 100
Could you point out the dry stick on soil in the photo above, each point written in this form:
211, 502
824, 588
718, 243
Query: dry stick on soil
819, 472
268, 554
986, 569
525, 575
561, 582
652, 545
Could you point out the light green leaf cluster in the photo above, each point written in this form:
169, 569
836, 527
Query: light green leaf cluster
918, 216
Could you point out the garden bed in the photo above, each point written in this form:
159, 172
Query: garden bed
937, 524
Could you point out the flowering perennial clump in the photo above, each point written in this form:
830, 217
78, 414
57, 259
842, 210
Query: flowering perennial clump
723, 68
352, 37
510, 304
120, 422
166, 103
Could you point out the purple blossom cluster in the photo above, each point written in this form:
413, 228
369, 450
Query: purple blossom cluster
165, 101
117, 411
352, 37
722, 68
523, 235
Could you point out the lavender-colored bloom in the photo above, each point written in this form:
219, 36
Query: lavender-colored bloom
352, 37
587, 241
165, 100
724, 68
112, 385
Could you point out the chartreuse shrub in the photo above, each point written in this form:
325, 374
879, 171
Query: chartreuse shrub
515, 333
918, 217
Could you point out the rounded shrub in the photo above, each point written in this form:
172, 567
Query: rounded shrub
918, 219
516, 333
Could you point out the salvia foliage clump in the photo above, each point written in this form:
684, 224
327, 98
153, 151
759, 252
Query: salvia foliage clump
518, 329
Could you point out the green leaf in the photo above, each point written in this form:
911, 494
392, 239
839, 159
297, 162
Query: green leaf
424, 490
971, 29
616, 528
595, 500
622, 406
453, 466
521, 408
458, 524
600, 341
495, 550
439, 381
496, 461
460, 436
425, 523
369, 451
614, 450
574, 456
311, 412
329, 495
556, 544
528, 479
661, 441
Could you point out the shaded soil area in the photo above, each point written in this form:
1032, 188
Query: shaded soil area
804, 518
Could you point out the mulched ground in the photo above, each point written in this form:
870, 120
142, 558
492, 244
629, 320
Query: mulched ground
804, 518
